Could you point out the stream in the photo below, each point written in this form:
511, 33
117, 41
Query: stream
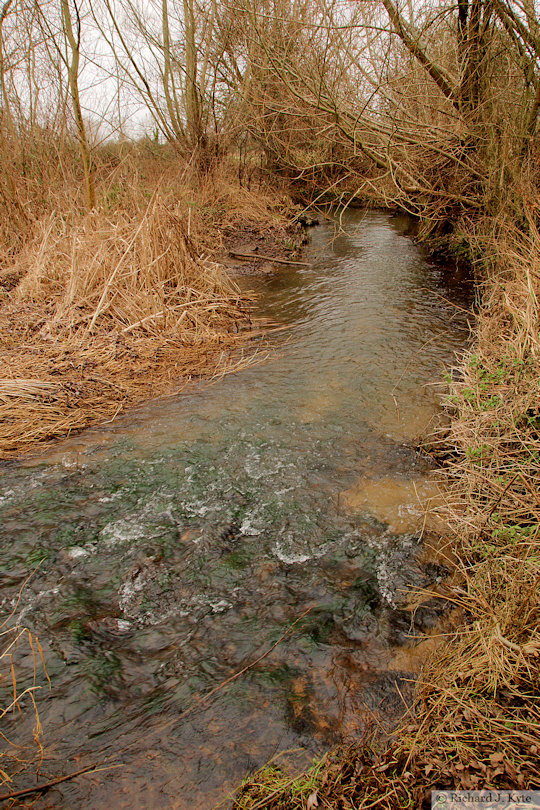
175, 546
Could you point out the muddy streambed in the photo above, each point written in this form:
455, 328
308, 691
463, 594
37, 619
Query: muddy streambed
176, 545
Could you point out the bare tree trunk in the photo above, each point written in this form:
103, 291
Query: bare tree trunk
73, 76
411, 41
192, 99
6, 107
168, 76
471, 67
533, 113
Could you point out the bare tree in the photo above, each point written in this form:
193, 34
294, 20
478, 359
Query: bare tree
73, 39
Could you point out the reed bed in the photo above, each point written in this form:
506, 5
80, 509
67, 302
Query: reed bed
107, 311
99, 311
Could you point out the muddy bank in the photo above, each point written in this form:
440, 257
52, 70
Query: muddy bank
249, 250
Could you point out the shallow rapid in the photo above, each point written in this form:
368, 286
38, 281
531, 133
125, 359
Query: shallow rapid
175, 546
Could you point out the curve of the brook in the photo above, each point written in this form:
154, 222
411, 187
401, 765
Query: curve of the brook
176, 546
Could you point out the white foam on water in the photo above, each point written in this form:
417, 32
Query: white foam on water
257, 468
249, 527
283, 492
390, 547
215, 604
7, 496
21, 491
128, 600
113, 497
122, 531
289, 558
220, 606
290, 550
138, 525
129, 590
71, 461
33, 601
79, 551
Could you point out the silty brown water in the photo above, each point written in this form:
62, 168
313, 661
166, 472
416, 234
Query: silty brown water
178, 544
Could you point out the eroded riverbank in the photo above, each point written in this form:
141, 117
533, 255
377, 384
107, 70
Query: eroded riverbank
177, 545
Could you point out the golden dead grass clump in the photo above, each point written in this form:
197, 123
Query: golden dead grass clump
480, 703
110, 308
105, 309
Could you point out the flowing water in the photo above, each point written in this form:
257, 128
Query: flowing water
176, 546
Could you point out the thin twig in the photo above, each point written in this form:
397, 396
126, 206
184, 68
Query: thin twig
53, 782
220, 686
260, 256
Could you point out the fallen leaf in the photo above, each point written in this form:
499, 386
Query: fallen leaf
511, 770
312, 801
478, 766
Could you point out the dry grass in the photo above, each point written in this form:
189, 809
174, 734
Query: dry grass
480, 703
101, 311
105, 313
21, 734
